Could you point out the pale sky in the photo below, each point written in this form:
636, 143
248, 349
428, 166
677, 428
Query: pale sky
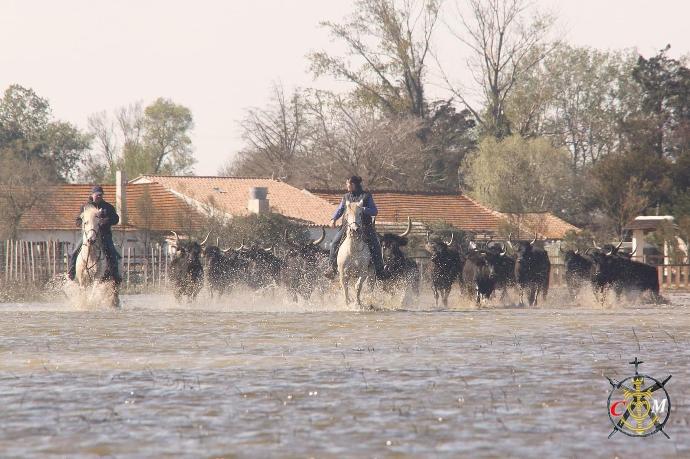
219, 58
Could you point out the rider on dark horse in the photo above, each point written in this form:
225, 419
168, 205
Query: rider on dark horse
369, 210
108, 217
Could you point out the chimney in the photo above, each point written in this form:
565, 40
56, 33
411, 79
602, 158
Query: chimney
258, 204
121, 196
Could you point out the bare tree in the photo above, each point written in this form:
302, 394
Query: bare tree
103, 130
275, 137
348, 139
502, 46
390, 42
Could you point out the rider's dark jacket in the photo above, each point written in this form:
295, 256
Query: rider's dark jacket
111, 218
368, 207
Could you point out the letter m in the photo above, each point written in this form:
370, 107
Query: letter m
659, 407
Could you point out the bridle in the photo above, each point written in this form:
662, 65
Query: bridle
354, 228
97, 244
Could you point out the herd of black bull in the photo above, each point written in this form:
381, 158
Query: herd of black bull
479, 269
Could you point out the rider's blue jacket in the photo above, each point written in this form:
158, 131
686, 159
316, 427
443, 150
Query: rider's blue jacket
368, 207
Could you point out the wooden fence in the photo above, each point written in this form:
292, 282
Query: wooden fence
35, 263
674, 277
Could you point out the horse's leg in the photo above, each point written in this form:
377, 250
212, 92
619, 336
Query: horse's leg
359, 285
343, 285
532, 295
116, 296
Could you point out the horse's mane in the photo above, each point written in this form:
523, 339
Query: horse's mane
89, 207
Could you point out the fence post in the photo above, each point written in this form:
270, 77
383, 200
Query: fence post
7, 260
129, 262
33, 265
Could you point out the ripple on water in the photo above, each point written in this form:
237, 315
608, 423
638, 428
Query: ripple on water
264, 377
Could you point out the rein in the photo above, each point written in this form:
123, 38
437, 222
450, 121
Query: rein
98, 245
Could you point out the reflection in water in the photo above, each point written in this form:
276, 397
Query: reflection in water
264, 377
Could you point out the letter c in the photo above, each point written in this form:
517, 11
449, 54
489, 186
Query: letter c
614, 405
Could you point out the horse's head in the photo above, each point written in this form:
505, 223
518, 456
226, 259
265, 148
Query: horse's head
90, 224
353, 216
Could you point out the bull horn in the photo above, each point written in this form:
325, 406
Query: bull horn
504, 251
285, 235
576, 251
268, 249
594, 242
217, 242
534, 240
409, 227
177, 239
205, 239
452, 236
225, 251
618, 246
323, 236
241, 245
633, 252
427, 237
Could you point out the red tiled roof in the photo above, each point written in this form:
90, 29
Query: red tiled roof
149, 206
230, 194
456, 209
545, 224
453, 208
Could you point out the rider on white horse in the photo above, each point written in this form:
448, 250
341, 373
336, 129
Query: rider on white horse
108, 218
369, 210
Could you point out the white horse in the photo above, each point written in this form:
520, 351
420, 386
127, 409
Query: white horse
353, 255
91, 261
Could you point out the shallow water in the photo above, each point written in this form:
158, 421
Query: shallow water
263, 378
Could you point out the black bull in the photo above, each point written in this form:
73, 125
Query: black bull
303, 265
402, 272
613, 270
532, 271
186, 270
578, 270
446, 264
486, 270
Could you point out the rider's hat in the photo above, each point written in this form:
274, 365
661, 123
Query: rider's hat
97, 189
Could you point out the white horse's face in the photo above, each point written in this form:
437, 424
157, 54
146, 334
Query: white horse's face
90, 225
353, 215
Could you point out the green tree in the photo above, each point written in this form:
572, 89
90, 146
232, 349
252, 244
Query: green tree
151, 140
578, 98
26, 129
166, 137
665, 84
518, 175
448, 136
